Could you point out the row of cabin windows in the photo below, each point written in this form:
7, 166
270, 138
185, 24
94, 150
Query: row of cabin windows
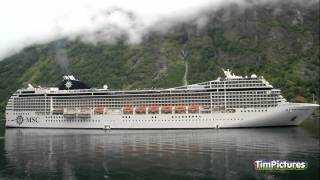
133, 97
127, 117
234, 101
177, 120
228, 105
236, 81
164, 120
72, 120
154, 101
259, 110
262, 101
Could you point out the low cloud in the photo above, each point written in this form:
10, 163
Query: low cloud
24, 23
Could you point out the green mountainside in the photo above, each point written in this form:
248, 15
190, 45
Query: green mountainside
279, 42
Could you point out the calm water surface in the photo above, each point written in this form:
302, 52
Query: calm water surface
156, 154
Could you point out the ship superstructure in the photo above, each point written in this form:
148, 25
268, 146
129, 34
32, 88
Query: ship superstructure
232, 101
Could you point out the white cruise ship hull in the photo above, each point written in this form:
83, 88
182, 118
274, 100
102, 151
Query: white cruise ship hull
288, 114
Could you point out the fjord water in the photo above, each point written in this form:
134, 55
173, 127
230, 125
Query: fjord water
157, 154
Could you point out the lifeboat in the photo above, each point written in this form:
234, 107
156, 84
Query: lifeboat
193, 108
167, 109
180, 108
153, 109
99, 110
128, 110
140, 110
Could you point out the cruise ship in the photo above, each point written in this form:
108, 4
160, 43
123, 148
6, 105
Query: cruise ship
228, 102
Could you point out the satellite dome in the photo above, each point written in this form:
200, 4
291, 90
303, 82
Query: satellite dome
253, 76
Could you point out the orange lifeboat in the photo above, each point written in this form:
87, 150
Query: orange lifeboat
140, 109
180, 108
99, 110
153, 109
166, 109
127, 109
193, 108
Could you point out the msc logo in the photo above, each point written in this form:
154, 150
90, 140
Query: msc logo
32, 119
19, 120
68, 84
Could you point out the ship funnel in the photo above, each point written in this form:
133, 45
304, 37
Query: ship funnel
69, 77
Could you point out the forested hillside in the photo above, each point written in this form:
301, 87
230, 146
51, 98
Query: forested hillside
279, 42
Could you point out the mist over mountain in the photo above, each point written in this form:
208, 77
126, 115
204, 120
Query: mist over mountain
279, 40
93, 21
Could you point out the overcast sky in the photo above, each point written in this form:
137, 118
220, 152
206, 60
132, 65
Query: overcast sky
26, 22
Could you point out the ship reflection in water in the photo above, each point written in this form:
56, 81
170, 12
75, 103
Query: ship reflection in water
155, 154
